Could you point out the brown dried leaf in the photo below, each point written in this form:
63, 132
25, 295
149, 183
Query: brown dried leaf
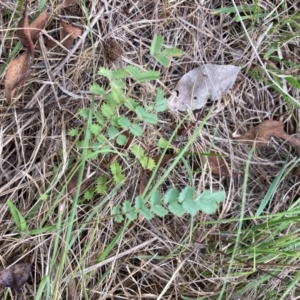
218, 165
19, 68
112, 50
17, 72
261, 134
34, 28
71, 33
71, 188
296, 171
24, 32
165, 159
143, 182
15, 276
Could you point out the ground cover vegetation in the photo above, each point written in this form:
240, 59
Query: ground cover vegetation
149, 150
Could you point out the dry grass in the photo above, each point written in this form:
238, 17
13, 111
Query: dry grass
164, 258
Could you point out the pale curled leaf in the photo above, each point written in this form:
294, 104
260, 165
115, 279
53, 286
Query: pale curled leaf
260, 135
70, 33
205, 82
15, 276
34, 27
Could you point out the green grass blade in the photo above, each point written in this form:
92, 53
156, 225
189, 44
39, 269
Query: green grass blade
270, 192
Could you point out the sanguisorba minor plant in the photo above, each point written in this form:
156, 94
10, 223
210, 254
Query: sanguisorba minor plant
110, 127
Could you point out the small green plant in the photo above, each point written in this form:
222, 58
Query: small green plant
120, 116
178, 203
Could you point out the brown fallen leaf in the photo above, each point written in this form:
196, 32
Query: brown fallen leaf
35, 27
20, 67
218, 165
143, 182
165, 159
112, 50
71, 187
261, 134
15, 276
17, 72
70, 33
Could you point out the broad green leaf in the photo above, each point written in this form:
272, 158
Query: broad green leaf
95, 128
99, 117
126, 207
132, 216
155, 198
137, 151
107, 111
159, 210
18, 218
207, 195
124, 122
118, 218
112, 132
115, 97
105, 72
131, 104
172, 52
97, 89
114, 121
156, 44
162, 143
44, 197
171, 196
148, 163
138, 202
73, 132
293, 81
176, 209
92, 154
138, 75
101, 186
187, 193
190, 206
163, 60
116, 211
101, 139
136, 130
84, 113
208, 201
117, 172
117, 84
146, 116
146, 213
129, 211
160, 102
119, 74
88, 195
121, 140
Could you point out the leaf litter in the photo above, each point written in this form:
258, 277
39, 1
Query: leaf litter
19, 69
220, 161
261, 134
206, 82
70, 33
